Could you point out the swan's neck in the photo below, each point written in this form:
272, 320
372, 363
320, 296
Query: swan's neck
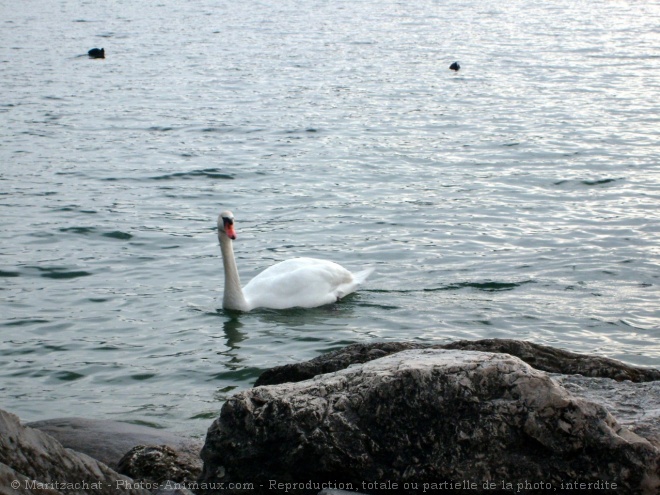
233, 298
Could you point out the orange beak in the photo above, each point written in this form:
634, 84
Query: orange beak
229, 230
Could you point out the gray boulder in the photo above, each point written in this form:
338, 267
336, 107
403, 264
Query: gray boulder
19, 484
108, 441
426, 418
333, 361
541, 357
553, 360
634, 405
159, 464
171, 488
31, 462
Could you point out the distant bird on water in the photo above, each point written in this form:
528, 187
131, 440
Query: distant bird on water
96, 53
455, 66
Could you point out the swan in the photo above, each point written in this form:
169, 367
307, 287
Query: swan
297, 282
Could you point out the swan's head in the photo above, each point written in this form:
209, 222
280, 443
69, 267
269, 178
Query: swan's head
226, 225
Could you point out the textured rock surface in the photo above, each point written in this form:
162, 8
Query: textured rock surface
168, 489
28, 454
333, 361
634, 405
538, 356
555, 360
8, 476
158, 464
426, 416
108, 441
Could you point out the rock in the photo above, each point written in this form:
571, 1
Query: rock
158, 464
333, 361
107, 441
554, 360
455, 66
40, 464
170, 488
425, 416
634, 405
538, 356
9, 478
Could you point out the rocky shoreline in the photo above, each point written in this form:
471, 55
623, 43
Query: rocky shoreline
488, 416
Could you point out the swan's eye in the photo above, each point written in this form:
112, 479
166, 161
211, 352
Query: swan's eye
227, 221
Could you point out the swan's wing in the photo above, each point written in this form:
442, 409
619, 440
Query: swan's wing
301, 282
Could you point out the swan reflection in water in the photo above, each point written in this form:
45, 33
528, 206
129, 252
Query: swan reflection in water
232, 329
236, 324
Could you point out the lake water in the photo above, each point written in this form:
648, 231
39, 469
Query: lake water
517, 198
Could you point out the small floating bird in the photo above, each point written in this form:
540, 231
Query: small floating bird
294, 283
455, 67
96, 53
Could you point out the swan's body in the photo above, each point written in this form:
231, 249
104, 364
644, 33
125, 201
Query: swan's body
298, 282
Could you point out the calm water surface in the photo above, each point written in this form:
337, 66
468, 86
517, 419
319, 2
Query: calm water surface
517, 198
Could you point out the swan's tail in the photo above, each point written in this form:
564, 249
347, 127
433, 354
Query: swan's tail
347, 288
362, 275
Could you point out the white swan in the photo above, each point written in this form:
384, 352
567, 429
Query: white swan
298, 282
